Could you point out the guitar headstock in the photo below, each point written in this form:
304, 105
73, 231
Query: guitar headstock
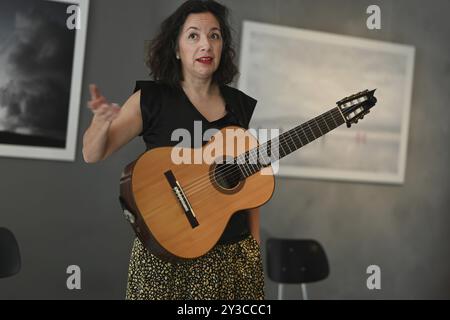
355, 107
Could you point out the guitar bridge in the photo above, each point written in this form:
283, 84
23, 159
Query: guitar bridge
181, 196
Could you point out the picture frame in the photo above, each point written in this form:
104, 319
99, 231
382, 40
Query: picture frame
297, 74
42, 47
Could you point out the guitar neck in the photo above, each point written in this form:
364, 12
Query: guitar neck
286, 143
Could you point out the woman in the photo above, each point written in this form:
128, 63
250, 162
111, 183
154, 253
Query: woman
191, 61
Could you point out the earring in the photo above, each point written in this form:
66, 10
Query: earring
178, 57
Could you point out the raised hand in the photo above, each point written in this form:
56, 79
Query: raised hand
102, 109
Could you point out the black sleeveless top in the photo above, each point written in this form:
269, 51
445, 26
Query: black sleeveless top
165, 109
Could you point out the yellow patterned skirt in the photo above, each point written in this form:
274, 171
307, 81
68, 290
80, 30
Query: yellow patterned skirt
228, 271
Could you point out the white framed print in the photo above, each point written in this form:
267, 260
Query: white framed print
297, 74
42, 45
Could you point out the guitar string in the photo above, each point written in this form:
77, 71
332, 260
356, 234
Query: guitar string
196, 200
198, 193
253, 153
233, 168
203, 198
194, 185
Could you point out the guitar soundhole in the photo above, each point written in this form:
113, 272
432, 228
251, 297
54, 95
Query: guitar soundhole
227, 176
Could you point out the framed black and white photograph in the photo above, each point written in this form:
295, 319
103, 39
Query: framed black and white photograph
42, 45
298, 74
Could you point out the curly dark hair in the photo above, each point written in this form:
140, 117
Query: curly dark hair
164, 67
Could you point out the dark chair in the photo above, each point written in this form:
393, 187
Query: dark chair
9, 254
296, 261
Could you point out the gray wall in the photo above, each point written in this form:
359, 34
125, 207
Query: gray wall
67, 213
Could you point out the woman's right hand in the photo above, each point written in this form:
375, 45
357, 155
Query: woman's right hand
102, 109
105, 136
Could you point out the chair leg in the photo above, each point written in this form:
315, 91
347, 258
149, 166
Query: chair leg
304, 293
280, 291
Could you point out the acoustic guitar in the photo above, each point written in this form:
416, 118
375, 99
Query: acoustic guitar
180, 210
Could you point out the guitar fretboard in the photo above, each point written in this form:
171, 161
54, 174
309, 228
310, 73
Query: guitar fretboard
273, 150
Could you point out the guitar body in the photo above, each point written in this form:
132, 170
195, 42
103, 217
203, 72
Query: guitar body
156, 213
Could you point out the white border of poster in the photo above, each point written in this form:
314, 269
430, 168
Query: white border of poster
67, 153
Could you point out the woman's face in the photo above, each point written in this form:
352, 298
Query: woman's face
200, 46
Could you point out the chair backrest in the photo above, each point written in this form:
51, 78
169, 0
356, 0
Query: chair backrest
296, 261
10, 261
